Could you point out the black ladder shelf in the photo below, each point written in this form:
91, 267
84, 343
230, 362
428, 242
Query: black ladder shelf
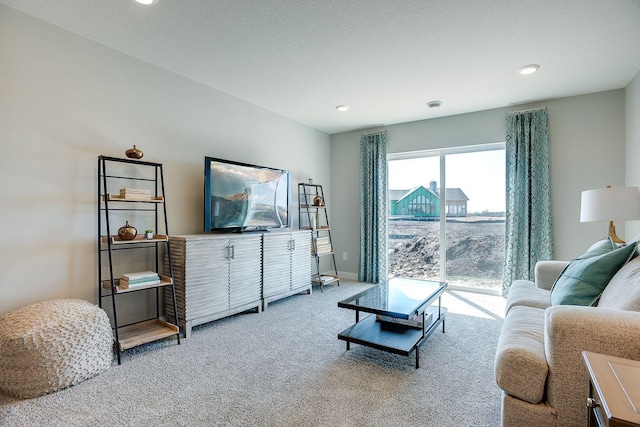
312, 215
115, 174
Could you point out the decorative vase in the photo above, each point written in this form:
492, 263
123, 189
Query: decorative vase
134, 153
317, 201
127, 232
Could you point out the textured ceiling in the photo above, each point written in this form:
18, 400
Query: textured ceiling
386, 59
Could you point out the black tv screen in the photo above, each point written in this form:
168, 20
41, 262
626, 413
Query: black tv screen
244, 197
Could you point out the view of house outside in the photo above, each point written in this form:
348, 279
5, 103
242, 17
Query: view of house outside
474, 211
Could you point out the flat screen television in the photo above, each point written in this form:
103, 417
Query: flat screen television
242, 197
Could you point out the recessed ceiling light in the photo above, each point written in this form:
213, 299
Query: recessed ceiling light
529, 69
145, 2
342, 108
434, 104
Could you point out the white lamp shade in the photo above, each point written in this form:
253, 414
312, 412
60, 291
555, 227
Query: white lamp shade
610, 204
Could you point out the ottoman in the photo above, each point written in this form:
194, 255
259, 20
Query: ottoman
52, 345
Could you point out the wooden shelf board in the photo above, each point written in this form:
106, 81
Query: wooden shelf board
115, 240
114, 198
164, 281
144, 332
317, 281
324, 253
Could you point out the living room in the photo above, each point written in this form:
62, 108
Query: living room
67, 99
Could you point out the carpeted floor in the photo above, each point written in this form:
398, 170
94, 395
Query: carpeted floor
286, 367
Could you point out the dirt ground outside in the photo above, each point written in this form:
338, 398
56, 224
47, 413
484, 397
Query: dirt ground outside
474, 248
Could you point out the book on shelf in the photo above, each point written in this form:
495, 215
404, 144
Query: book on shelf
140, 278
320, 241
147, 274
126, 284
137, 281
135, 193
322, 245
415, 321
324, 279
323, 249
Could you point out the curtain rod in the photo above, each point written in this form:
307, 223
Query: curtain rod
527, 111
373, 133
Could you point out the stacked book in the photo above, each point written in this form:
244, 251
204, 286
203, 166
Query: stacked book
324, 279
322, 245
135, 193
141, 278
417, 321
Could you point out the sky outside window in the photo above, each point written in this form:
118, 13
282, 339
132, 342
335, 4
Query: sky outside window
485, 190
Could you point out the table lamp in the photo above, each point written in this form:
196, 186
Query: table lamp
610, 204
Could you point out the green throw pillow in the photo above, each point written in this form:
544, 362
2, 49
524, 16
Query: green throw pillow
584, 279
599, 248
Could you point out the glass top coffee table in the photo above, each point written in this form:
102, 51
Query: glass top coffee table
402, 316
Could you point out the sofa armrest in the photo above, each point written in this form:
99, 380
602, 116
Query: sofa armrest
569, 330
546, 273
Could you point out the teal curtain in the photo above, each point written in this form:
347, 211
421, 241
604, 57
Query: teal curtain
373, 208
528, 234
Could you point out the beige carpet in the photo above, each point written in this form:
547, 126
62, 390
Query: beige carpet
286, 367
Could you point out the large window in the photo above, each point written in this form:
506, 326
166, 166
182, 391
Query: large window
446, 216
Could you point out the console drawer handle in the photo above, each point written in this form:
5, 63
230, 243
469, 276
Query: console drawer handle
592, 403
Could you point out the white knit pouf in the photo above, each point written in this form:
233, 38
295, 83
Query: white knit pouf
52, 345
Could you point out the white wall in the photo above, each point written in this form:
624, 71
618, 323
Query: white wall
64, 100
587, 135
632, 153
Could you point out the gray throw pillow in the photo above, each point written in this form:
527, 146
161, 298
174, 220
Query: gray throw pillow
623, 291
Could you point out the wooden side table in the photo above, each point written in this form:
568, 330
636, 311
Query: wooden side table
614, 393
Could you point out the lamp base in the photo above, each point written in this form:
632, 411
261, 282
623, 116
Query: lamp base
612, 234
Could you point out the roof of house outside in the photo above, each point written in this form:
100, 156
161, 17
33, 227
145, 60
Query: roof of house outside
397, 194
451, 194
455, 194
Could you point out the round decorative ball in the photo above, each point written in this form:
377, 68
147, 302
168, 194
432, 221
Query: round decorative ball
127, 232
134, 153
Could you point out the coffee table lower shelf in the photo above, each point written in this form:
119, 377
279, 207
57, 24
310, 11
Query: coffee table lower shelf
395, 339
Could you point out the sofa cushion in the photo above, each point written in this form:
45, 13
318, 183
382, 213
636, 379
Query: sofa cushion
546, 272
623, 291
524, 292
520, 364
584, 279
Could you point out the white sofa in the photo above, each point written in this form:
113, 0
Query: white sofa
538, 362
